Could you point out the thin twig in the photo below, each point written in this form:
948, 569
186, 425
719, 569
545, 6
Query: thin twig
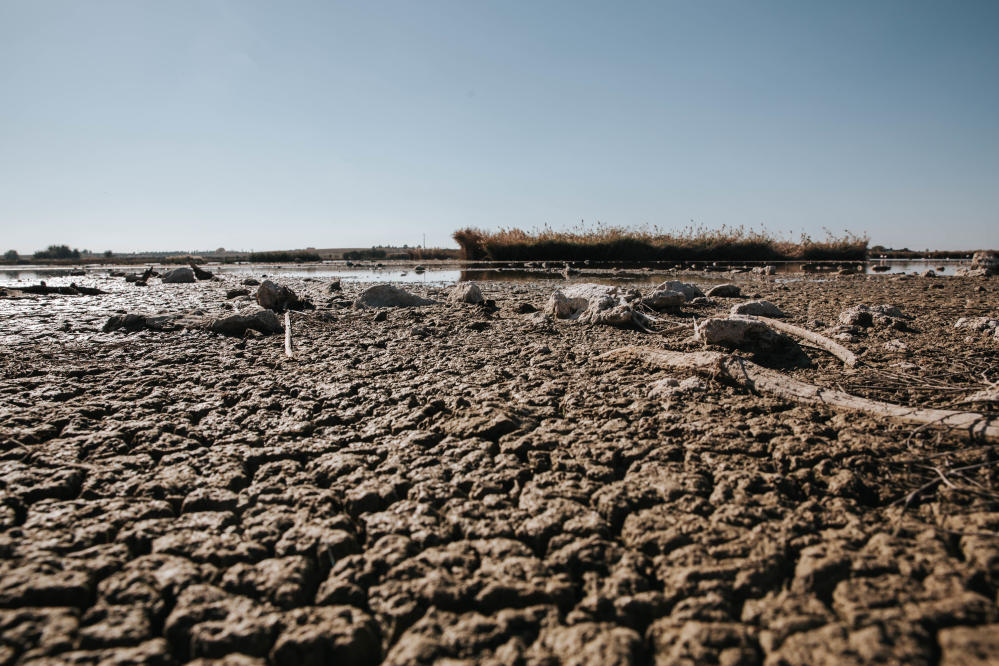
943, 478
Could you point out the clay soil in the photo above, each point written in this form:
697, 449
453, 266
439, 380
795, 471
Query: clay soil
459, 484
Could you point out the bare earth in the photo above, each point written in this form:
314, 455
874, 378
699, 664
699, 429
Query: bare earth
466, 484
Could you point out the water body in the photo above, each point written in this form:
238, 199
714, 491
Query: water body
451, 273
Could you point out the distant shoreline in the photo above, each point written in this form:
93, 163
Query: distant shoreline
873, 254
142, 259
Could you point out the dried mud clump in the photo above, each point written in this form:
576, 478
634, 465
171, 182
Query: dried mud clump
472, 484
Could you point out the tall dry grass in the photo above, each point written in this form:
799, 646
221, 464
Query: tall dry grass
607, 243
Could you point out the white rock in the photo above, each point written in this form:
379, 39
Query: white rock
987, 261
388, 296
978, 324
466, 292
972, 272
596, 304
983, 264
737, 331
689, 291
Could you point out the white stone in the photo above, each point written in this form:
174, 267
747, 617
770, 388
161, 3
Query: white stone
466, 292
736, 331
596, 304
689, 291
389, 296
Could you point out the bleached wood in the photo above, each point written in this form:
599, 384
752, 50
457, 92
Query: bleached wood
734, 370
820, 341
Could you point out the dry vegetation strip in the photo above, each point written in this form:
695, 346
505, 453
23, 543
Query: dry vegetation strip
619, 244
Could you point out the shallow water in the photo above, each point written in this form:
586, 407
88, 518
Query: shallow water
623, 274
61, 276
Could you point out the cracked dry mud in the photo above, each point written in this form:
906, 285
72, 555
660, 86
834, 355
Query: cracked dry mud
453, 483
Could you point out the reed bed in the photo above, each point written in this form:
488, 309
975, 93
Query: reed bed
694, 243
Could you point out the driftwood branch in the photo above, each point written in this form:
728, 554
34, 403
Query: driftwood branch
287, 335
740, 372
820, 341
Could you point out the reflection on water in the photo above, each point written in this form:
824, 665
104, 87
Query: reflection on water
346, 274
454, 273
33, 275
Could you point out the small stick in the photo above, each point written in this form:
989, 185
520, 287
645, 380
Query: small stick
287, 335
943, 477
911, 497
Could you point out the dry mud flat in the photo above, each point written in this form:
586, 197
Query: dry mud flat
458, 484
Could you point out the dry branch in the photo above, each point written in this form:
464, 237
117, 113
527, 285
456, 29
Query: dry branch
739, 371
820, 341
287, 335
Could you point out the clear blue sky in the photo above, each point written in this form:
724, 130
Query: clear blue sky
259, 124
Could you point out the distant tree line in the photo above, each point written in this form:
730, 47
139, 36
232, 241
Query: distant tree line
300, 256
356, 255
52, 252
57, 252
905, 253
66, 253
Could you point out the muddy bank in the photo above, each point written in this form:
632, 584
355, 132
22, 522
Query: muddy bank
470, 481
